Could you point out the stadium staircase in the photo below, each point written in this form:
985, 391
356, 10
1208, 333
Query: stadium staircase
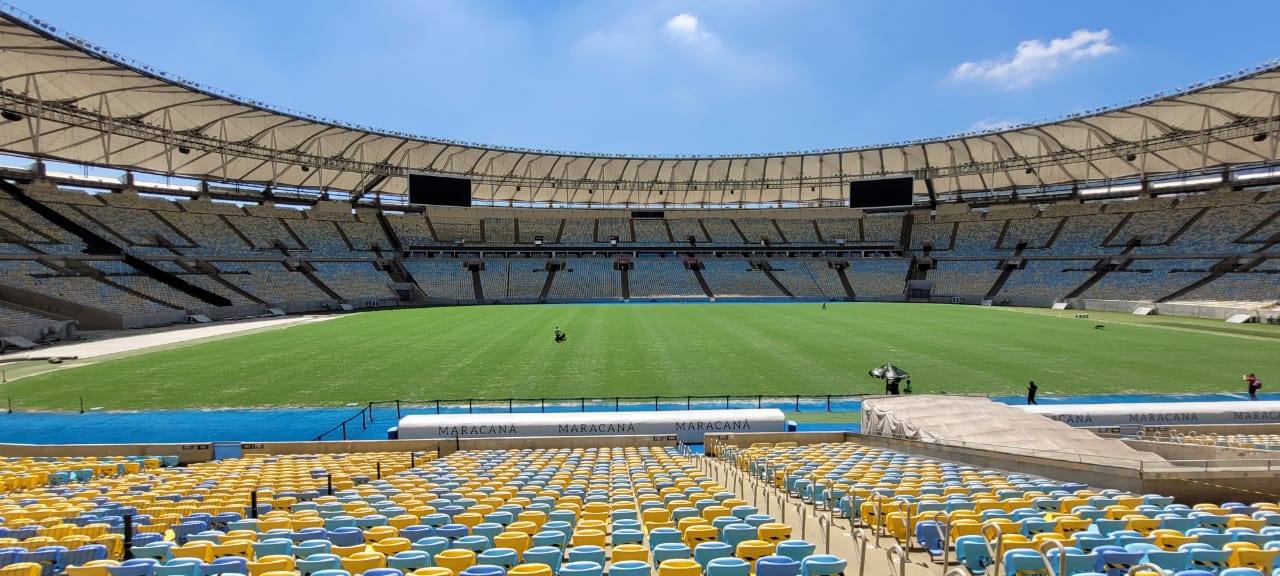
1062, 223
768, 272
479, 286
904, 239
626, 285
849, 294
1116, 231
778, 229
1100, 269
1228, 264
546, 286
96, 244
227, 222
697, 273
175, 282
1186, 225
390, 232
1004, 277
734, 223
666, 226
212, 271
310, 272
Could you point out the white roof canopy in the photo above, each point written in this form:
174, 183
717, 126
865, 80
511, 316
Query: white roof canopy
81, 103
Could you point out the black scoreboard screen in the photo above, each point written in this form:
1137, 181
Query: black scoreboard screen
439, 190
880, 192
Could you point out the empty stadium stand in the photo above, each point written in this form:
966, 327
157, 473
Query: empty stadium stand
1203, 250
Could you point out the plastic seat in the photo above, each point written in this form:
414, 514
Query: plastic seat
269, 547
680, 567
504, 557
752, 550
533, 569
309, 548
587, 553
795, 549
270, 564
777, 566
581, 569
432, 545
483, 570
822, 565
669, 551
728, 567
735, 534
456, 559
549, 555
629, 568
473, 543
316, 562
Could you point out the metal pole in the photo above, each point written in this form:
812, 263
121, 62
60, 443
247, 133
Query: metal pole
378, 467
82, 404
398, 409
344, 430
412, 461
253, 503
128, 537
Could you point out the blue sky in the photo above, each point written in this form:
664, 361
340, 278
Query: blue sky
682, 77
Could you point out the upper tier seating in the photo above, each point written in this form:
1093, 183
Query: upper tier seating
320, 238
798, 231
261, 232
411, 229
834, 229
682, 228
651, 231
211, 234
578, 231
937, 235
723, 231
882, 229
1035, 232
756, 228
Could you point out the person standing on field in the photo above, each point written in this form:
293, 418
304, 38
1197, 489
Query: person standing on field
1031, 392
1254, 384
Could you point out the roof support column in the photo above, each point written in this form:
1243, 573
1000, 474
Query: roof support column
33, 124
1204, 146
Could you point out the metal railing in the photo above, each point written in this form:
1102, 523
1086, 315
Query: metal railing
379, 410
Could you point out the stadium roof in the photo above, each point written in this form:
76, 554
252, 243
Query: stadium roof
67, 99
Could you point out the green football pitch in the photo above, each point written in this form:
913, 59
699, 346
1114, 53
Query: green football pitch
500, 352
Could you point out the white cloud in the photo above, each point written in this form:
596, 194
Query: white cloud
989, 124
1035, 60
686, 28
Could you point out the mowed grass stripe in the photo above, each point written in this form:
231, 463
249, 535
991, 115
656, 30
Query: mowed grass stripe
499, 352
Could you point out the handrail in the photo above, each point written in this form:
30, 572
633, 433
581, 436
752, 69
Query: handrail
1062, 556
905, 508
1147, 566
860, 540
945, 527
898, 568
824, 526
997, 554
800, 517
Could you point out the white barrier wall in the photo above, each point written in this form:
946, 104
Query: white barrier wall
1161, 413
687, 425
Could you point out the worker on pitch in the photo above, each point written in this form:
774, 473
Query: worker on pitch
559, 334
